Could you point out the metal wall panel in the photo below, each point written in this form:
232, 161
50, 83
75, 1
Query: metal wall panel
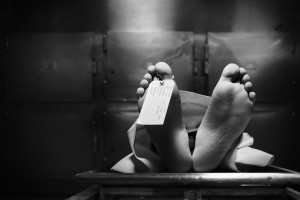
130, 52
161, 15
198, 15
42, 150
267, 57
119, 118
49, 67
199, 58
274, 130
296, 59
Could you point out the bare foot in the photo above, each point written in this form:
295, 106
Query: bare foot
227, 116
171, 138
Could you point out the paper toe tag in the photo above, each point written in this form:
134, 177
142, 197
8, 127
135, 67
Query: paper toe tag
156, 102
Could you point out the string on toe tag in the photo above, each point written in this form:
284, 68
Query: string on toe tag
164, 77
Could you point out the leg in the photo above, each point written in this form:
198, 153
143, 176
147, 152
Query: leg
227, 116
171, 139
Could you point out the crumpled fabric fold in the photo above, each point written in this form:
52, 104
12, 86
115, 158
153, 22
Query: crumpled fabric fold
143, 159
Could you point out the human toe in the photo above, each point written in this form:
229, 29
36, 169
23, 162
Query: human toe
248, 86
144, 83
140, 92
163, 69
245, 79
151, 70
148, 77
231, 72
252, 96
243, 71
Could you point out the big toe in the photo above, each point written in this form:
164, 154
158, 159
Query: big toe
163, 69
231, 72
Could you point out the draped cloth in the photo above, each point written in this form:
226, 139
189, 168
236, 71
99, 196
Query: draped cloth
240, 157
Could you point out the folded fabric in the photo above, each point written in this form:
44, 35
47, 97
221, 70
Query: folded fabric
240, 157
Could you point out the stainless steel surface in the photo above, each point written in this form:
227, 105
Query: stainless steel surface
200, 78
274, 128
49, 67
45, 144
176, 15
296, 60
129, 53
190, 179
117, 120
266, 56
257, 184
90, 193
150, 15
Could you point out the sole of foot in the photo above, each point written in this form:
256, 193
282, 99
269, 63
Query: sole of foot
227, 116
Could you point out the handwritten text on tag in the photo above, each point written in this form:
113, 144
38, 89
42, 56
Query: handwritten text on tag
156, 103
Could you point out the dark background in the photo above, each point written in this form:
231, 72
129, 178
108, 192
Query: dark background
70, 69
